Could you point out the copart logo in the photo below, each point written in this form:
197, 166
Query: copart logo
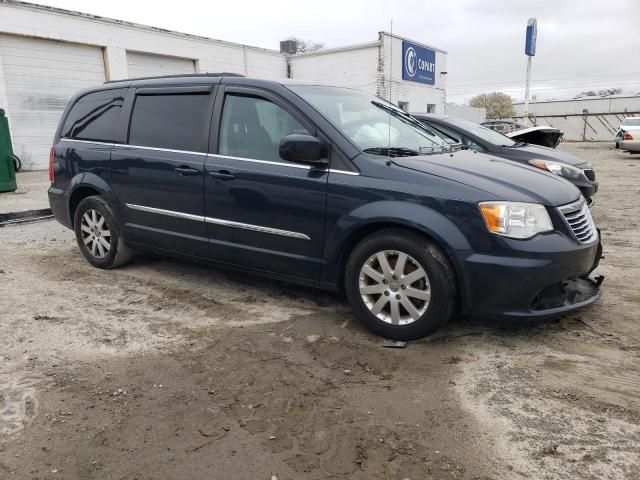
410, 61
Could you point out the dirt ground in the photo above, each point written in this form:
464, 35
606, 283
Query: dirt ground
164, 369
31, 193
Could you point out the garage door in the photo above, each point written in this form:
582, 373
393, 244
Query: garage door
40, 77
147, 65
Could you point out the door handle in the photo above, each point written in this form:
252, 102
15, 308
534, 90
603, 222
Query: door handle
222, 175
187, 171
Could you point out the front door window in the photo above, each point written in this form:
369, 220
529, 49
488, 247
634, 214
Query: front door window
252, 127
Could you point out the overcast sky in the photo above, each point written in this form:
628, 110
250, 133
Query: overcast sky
582, 44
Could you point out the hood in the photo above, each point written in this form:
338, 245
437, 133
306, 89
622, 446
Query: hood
545, 136
546, 153
541, 128
500, 179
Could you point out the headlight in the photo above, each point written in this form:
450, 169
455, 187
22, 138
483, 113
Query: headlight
562, 169
515, 219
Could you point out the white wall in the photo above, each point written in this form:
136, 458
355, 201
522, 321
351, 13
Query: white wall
117, 46
368, 67
614, 104
474, 114
149, 64
4, 99
209, 54
355, 67
39, 78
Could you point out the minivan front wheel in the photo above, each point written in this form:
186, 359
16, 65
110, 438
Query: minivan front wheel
98, 234
400, 285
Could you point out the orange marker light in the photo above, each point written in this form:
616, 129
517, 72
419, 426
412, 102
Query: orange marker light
493, 216
539, 164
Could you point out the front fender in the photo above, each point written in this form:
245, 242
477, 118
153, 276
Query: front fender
415, 216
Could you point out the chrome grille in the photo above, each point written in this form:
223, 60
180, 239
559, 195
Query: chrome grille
578, 217
590, 174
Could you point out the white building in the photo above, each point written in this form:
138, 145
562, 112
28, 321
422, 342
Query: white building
371, 67
475, 114
48, 54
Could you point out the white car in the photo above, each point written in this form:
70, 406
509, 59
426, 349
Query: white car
628, 135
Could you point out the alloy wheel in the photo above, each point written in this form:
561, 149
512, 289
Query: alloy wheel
394, 287
95, 233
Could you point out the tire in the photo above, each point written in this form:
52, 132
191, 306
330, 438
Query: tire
432, 296
98, 234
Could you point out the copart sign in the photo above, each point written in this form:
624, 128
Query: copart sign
418, 63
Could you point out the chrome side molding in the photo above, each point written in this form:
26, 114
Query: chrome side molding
219, 221
256, 228
168, 213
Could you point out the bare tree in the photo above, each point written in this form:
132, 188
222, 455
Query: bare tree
609, 91
498, 104
305, 46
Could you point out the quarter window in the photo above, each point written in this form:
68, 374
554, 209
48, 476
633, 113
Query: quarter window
252, 127
95, 116
174, 121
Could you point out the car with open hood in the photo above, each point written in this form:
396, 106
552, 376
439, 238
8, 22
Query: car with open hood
543, 135
322, 186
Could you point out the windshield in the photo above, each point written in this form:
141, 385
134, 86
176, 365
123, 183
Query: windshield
374, 125
632, 122
486, 134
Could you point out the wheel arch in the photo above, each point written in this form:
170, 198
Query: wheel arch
86, 185
417, 219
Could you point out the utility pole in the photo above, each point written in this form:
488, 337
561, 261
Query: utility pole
529, 51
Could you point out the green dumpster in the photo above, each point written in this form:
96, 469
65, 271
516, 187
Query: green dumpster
7, 172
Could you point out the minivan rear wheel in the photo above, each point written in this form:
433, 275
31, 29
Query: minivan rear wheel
98, 234
400, 285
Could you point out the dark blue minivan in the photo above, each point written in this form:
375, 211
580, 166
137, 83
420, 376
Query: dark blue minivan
324, 186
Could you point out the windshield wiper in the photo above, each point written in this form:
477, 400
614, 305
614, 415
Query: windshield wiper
404, 116
392, 151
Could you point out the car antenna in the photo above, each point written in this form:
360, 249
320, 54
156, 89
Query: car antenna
390, 83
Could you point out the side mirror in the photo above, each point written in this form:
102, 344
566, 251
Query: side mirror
304, 149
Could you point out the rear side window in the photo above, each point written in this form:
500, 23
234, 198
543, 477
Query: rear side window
174, 121
95, 116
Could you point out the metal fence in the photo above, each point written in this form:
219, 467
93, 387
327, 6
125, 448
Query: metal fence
593, 127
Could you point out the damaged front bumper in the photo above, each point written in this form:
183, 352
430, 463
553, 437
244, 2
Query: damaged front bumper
565, 296
549, 279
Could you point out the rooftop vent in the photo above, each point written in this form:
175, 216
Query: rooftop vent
290, 47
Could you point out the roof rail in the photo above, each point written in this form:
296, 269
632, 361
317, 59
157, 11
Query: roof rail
220, 74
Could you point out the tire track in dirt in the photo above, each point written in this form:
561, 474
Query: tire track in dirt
60, 309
